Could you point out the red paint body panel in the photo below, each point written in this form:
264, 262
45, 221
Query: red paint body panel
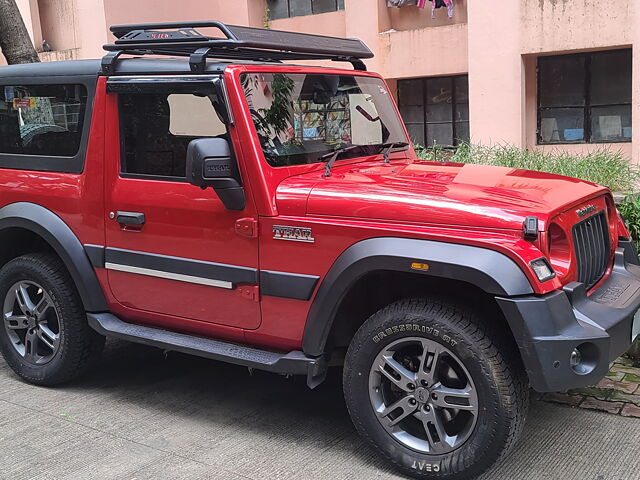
363, 198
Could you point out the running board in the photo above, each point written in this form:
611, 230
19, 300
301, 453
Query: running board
292, 363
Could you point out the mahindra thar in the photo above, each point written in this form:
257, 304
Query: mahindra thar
444, 291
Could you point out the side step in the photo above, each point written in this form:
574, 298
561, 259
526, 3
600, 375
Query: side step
292, 363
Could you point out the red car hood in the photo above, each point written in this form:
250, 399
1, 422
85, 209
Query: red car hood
434, 193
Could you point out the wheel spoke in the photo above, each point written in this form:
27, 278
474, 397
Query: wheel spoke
458, 398
24, 300
408, 405
428, 362
31, 346
399, 375
42, 307
47, 336
438, 439
16, 322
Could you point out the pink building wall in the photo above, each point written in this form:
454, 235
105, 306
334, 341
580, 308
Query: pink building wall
495, 43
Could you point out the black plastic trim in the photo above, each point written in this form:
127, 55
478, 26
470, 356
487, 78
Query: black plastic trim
547, 328
49, 163
287, 285
491, 271
291, 363
61, 238
182, 266
630, 251
95, 254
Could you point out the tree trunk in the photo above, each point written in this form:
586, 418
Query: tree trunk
14, 38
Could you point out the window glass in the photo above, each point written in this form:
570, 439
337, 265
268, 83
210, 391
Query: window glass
443, 116
322, 6
562, 125
293, 8
439, 134
300, 7
611, 124
562, 81
301, 117
585, 98
157, 129
42, 120
278, 9
611, 77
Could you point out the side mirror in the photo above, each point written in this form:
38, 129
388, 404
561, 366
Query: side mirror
211, 164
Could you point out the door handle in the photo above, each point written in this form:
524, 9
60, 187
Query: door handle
130, 218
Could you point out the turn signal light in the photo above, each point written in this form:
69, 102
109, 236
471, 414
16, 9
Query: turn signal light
542, 269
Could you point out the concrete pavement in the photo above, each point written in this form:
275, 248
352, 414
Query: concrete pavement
139, 416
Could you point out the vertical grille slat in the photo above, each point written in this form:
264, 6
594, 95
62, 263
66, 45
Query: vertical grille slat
591, 245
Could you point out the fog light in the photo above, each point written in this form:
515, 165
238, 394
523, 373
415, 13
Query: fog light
584, 358
542, 269
576, 358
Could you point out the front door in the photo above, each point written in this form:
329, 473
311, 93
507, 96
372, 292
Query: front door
172, 248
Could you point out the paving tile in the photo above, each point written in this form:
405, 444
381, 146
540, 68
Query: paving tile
625, 398
595, 404
630, 410
626, 387
563, 398
626, 369
617, 376
631, 377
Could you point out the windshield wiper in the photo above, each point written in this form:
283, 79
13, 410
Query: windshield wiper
333, 156
387, 147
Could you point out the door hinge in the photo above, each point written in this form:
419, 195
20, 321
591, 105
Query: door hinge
249, 292
247, 227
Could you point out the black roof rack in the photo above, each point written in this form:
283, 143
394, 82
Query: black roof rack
243, 43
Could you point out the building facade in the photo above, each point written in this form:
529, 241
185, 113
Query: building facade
538, 74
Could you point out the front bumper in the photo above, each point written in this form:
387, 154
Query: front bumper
548, 328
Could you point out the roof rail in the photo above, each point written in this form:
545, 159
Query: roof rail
244, 43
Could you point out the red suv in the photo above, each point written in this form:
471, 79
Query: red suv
443, 290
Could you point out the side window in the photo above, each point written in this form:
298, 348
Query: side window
156, 130
44, 120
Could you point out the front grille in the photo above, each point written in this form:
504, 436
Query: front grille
591, 242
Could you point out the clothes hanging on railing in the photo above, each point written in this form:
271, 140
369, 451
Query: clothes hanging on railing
441, 3
406, 3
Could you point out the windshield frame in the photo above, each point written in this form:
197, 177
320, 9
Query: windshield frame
355, 156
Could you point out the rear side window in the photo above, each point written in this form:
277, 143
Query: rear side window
157, 128
42, 120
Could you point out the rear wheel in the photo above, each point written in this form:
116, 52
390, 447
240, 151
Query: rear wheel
435, 390
44, 335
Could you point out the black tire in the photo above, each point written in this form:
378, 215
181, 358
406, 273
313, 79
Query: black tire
490, 359
77, 345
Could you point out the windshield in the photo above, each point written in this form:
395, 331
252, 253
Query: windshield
302, 117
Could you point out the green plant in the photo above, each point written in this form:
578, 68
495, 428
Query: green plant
630, 211
605, 167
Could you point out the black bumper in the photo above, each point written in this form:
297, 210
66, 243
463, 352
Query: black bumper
548, 328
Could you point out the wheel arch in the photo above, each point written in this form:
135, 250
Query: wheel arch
481, 273
26, 226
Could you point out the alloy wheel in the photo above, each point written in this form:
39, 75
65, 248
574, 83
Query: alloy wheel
423, 395
31, 322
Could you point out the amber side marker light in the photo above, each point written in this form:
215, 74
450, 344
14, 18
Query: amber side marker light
420, 266
542, 269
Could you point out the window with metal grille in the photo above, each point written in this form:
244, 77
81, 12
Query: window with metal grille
296, 8
435, 109
585, 98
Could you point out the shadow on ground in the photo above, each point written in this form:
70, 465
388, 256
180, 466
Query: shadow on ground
139, 415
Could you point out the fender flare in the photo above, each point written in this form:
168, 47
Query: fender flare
60, 237
493, 272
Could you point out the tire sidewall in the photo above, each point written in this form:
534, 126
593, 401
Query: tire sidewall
369, 342
22, 270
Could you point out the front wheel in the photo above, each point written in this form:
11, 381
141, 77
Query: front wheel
434, 389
